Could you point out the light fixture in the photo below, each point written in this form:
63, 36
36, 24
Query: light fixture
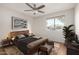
35, 12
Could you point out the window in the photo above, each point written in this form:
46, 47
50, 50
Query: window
55, 22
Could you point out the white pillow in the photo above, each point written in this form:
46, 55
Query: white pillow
20, 36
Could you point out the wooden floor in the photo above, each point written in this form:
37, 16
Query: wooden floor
59, 49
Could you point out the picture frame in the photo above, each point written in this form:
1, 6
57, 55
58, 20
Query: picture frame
18, 23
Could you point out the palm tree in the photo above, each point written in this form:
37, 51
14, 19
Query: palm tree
69, 34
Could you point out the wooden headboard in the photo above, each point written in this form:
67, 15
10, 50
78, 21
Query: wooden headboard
14, 33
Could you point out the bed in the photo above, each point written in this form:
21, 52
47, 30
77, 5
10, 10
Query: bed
27, 45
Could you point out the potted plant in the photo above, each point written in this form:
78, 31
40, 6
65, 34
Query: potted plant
69, 34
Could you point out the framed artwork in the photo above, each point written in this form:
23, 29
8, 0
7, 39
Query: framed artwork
18, 23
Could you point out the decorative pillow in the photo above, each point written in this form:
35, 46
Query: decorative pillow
26, 35
20, 36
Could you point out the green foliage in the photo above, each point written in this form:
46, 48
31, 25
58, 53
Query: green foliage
69, 33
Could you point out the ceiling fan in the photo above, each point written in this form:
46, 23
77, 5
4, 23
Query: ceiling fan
35, 9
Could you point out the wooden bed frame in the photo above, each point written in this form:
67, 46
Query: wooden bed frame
14, 33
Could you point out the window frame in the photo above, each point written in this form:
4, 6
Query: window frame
53, 18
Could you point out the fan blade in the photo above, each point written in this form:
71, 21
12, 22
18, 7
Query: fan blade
40, 11
29, 5
41, 6
28, 10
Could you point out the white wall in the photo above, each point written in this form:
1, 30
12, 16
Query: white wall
77, 19
39, 25
5, 20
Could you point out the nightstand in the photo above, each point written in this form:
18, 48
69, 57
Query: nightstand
7, 42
